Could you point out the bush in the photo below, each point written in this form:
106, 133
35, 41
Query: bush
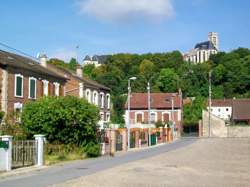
65, 120
92, 149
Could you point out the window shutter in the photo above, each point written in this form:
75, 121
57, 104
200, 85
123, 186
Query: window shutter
19, 85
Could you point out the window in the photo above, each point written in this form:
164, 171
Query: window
95, 97
227, 109
108, 101
102, 116
108, 117
139, 118
165, 117
102, 99
32, 88
57, 88
218, 109
18, 85
88, 95
45, 87
153, 117
17, 111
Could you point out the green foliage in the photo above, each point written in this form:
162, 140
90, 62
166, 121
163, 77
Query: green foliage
193, 112
92, 149
168, 80
159, 124
66, 120
1, 116
88, 70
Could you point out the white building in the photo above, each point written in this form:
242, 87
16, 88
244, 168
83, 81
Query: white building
96, 60
222, 108
203, 50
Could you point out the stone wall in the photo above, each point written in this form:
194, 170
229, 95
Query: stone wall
220, 129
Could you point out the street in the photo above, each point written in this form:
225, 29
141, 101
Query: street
62, 173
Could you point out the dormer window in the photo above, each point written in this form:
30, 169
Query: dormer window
18, 85
32, 88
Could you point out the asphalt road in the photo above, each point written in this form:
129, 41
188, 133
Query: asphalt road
61, 173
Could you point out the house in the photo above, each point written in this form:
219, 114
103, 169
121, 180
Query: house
80, 86
235, 110
23, 79
165, 107
203, 50
96, 60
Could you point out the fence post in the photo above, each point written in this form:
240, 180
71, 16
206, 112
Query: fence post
137, 136
6, 156
39, 143
124, 140
113, 141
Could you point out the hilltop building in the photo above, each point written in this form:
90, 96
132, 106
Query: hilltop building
203, 50
96, 60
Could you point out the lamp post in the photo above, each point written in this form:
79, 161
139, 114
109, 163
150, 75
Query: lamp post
172, 114
149, 115
210, 103
129, 93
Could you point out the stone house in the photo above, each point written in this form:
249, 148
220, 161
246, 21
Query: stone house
23, 80
83, 87
165, 107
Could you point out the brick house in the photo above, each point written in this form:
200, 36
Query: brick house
23, 80
165, 107
83, 87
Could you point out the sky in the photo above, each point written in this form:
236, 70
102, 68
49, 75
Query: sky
56, 27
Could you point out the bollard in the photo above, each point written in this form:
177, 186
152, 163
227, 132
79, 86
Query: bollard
39, 146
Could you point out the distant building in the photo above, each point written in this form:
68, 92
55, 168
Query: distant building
235, 110
96, 60
203, 50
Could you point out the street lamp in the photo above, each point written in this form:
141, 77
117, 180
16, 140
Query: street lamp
129, 93
172, 114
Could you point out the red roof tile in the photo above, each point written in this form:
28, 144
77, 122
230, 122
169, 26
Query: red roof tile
241, 109
222, 102
158, 100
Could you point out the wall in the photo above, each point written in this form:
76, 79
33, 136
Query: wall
219, 128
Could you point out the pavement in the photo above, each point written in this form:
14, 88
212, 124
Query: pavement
60, 174
206, 162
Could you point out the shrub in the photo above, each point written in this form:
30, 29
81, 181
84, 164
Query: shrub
65, 120
92, 150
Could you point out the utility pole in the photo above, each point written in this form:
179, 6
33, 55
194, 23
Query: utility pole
210, 103
149, 111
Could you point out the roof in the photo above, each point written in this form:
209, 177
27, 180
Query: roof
241, 109
18, 61
205, 46
158, 100
87, 58
95, 58
222, 103
83, 79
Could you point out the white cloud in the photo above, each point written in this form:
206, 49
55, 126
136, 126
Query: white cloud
127, 10
64, 54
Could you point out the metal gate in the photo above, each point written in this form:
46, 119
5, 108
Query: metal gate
132, 140
118, 146
23, 153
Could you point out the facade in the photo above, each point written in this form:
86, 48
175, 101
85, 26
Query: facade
235, 110
96, 60
203, 50
165, 107
23, 80
80, 86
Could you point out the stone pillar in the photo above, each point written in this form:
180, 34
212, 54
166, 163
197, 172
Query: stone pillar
113, 141
146, 135
124, 140
4, 99
161, 134
39, 143
6, 157
200, 129
137, 136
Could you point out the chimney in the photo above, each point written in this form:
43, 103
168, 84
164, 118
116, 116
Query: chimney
79, 70
43, 60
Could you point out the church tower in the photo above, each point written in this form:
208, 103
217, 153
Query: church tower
213, 37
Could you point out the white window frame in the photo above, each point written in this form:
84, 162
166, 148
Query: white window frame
57, 88
108, 117
102, 99
95, 97
108, 100
32, 78
142, 113
18, 75
156, 117
88, 95
45, 87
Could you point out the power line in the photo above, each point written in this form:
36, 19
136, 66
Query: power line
17, 50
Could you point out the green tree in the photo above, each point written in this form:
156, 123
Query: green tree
168, 80
88, 70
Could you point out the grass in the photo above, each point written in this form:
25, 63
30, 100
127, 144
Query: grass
51, 159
